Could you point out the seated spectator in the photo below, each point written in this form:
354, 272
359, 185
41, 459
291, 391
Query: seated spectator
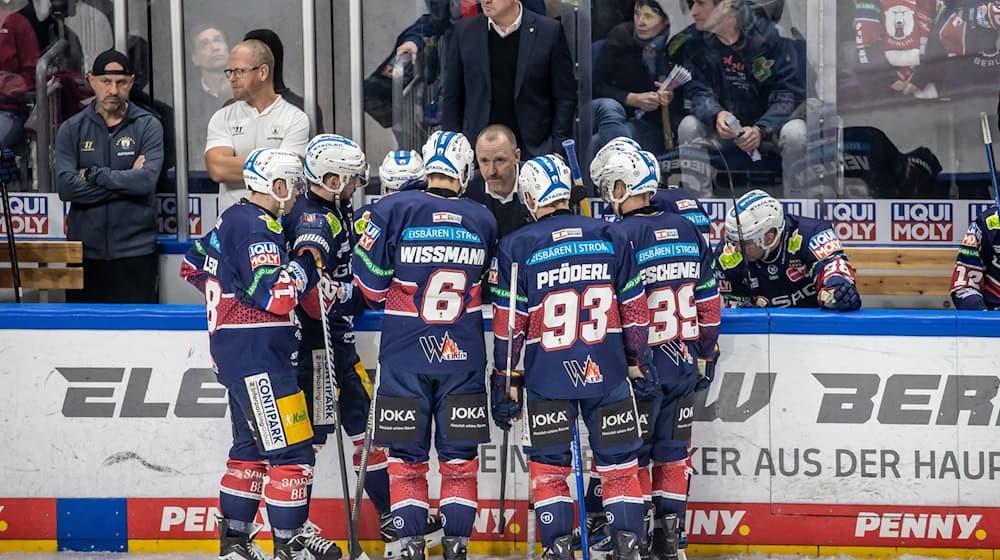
742, 68
271, 39
208, 88
18, 57
259, 118
494, 184
626, 77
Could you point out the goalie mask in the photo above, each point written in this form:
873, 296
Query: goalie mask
637, 170
333, 154
264, 166
450, 154
399, 167
546, 179
759, 214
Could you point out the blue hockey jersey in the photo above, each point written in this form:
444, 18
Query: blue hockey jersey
251, 289
581, 308
678, 200
677, 268
808, 255
423, 256
975, 283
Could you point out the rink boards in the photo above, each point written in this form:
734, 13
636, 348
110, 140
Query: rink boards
822, 432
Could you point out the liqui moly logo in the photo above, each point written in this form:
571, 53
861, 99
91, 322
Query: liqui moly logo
29, 215
166, 215
922, 221
853, 221
792, 207
976, 209
716, 210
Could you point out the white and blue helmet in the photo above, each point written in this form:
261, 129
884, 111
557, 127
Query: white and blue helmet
614, 146
399, 167
450, 154
547, 179
759, 214
264, 166
638, 170
337, 155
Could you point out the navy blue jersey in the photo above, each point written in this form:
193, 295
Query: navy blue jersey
678, 200
423, 256
977, 268
681, 291
808, 254
251, 289
581, 309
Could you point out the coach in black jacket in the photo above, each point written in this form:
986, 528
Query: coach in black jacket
511, 66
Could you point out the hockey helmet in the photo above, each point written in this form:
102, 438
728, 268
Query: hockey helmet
337, 155
546, 179
264, 166
759, 213
399, 167
450, 154
614, 146
638, 170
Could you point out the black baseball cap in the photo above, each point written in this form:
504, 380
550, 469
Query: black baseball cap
110, 56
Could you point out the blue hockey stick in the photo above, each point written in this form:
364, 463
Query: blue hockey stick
578, 468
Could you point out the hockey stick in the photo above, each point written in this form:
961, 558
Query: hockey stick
581, 498
579, 192
531, 522
504, 447
9, 225
990, 161
324, 290
365, 453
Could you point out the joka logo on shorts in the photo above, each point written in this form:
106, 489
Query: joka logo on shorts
853, 221
922, 221
582, 374
444, 350
29, 215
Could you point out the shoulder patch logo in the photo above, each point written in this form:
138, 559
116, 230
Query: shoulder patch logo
566, 233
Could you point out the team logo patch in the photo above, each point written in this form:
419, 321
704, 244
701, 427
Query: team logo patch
566, 233
443, 350
447, 217
362, 222
272, 224
265, 253
686, 204
88, 146
125, 143
664, 234
582, 374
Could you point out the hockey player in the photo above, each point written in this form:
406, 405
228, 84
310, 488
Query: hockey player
581, 311
975, 283
790, 261
251, 289
422, 256
400, 170
677, 270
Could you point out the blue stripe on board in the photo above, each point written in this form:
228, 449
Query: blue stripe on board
92, 524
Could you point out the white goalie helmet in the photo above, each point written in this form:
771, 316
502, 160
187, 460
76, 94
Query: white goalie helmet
332, 153
616, 145
264, 166
638, 170
450, 154
547, 179
399, 167
759, 213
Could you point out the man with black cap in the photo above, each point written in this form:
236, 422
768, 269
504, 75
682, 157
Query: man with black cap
108, 159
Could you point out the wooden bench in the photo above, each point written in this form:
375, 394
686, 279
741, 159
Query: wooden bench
903, 271
34, 258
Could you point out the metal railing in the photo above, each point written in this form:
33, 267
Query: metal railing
408, 103
47, 103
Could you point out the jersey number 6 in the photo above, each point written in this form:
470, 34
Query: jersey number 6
444, 297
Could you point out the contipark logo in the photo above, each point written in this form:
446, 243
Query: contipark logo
922, 221
29, 215
166, 215
853, 221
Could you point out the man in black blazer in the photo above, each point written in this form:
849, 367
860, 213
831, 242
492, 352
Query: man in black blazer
511, 66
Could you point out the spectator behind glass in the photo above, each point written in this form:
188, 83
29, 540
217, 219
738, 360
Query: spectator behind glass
108, 158
18, 57
271, 39
138, 55
258, 118
742, 68
209, 89
527, 84
626, 78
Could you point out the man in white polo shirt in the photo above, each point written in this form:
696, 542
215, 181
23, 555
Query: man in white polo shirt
259, 118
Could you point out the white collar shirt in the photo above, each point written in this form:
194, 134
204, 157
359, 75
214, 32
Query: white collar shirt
490, 24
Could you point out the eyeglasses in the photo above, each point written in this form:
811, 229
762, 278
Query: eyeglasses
238, 72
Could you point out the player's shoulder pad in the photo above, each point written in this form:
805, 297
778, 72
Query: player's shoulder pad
729, 256
818, 239
990, 219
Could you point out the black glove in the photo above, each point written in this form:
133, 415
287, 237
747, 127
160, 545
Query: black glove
506, 406
645, 382
706, 370
313, 234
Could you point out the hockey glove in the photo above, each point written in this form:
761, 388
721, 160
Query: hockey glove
840, 294
506, 406
706, 371
645, 382
314, 236
968, 299
339, 293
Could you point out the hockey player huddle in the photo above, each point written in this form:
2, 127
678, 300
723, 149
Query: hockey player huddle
616, 322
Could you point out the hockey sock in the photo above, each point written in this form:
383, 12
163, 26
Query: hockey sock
287, 497
377, 473
240, 491
459, 495
409, 497
670, 487
553, 505
622, 497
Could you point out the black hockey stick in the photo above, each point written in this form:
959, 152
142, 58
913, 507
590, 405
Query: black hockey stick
325, 291
365, 453
505, 445
15, 269
990, 161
